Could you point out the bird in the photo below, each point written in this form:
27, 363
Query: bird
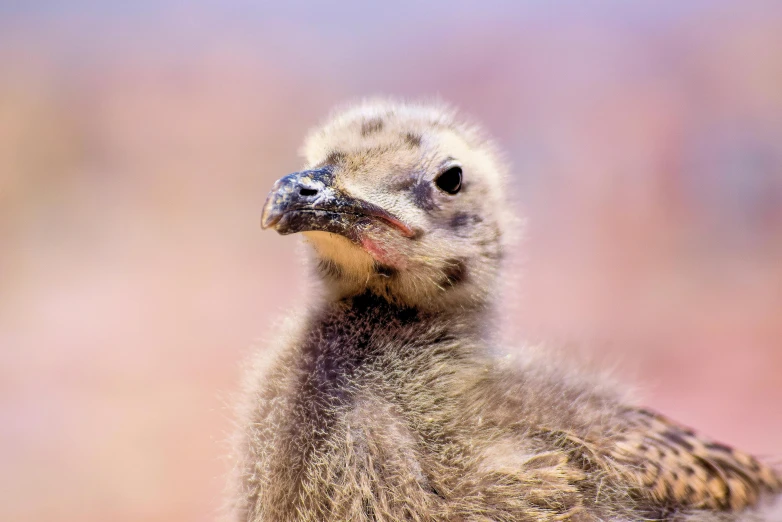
390, 395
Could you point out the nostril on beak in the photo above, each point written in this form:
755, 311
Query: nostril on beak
307, 191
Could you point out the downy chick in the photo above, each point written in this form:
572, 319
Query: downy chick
390, 398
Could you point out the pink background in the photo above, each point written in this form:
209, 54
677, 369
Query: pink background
137, 144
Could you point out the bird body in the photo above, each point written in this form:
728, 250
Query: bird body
391, 398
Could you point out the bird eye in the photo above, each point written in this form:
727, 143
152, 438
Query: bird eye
450, 181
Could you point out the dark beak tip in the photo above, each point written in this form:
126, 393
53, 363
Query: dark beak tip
270, 215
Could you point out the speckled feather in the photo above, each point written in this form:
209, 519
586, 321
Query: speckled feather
676, 466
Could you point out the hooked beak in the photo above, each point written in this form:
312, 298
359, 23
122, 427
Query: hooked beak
307, 200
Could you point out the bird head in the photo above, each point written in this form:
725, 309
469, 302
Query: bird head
402, 200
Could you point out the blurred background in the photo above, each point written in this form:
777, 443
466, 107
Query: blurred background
138, 141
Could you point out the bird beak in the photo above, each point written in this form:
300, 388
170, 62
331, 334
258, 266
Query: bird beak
307, 200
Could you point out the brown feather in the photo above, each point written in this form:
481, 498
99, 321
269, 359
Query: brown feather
675, 465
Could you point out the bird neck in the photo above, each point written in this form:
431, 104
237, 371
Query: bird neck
374, 313
471, 298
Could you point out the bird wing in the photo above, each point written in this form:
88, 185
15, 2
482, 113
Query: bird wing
675, 466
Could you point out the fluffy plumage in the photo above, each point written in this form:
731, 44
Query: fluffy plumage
390, 397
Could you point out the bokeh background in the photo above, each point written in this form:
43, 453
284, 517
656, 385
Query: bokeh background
138, 141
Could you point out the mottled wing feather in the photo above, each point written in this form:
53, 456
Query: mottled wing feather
677, 467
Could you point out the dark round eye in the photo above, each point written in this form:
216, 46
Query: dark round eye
450, 181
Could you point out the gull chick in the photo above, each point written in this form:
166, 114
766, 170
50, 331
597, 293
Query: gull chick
389, 398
